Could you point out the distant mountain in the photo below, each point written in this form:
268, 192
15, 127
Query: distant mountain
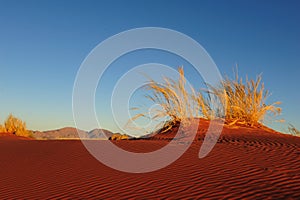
72, 133
99, 134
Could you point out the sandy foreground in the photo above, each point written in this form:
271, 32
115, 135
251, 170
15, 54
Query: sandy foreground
245, 163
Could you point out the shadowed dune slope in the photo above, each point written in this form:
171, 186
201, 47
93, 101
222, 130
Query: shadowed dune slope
245, 163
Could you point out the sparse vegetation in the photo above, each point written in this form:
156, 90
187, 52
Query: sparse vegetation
292, 130
15, 126
243, 103
118, 136
174, 100
2, 129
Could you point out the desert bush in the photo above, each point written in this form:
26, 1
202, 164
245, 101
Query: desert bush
245, 103
239, 103
174, 99
292, 130
205, 108
16, 126
118, 136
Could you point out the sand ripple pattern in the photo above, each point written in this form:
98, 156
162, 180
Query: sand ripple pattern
241, 166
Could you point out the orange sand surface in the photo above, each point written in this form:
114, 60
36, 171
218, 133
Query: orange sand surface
245, 163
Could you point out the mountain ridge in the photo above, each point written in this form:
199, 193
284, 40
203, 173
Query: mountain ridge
72, 133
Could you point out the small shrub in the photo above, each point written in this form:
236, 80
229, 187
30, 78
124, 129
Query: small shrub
118, 136
174, 99
242, 103
245, 103
15, 126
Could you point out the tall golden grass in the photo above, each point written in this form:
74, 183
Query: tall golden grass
15, 126
174, 99
244, 103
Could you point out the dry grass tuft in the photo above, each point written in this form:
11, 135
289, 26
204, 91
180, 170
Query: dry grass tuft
15, 126
243, 103
118, 136
174, 99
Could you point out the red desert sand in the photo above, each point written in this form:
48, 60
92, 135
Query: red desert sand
245, 163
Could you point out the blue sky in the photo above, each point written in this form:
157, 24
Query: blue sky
43, 43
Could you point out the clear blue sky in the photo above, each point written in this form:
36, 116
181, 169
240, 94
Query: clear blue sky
43, 43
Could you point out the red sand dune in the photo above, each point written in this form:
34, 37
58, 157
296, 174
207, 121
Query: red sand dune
245, 163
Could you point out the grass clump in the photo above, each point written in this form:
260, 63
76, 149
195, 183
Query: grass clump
174, 100
15, 126
239, 103
118, 136
245, 103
